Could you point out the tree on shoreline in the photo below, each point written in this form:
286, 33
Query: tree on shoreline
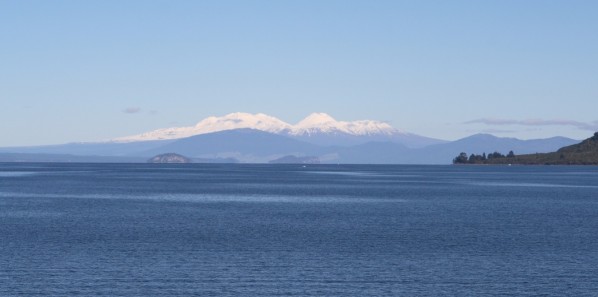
583, 153
480, 159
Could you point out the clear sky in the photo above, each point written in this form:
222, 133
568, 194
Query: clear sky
94, 70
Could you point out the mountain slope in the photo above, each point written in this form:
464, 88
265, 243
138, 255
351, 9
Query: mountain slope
583, 153
238, 120
251, 145
246, 145
480, 143
486, 143
347, 140
375, 153
90, 148
66, 158
323, 123
317, 128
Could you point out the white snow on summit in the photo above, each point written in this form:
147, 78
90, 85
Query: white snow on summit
315, 123
323, 123
240, 120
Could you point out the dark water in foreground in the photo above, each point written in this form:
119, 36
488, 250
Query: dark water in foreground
137, 229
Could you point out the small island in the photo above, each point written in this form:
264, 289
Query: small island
583, 153
169, 158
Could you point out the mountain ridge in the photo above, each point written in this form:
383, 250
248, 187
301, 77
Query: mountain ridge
248, 145
317, 122
582, 153
256, 146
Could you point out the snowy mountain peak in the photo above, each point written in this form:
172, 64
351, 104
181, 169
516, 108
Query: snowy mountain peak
316, 118
240, 120
315, 123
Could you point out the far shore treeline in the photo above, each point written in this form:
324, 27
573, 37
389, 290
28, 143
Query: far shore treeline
583, 153
462, 158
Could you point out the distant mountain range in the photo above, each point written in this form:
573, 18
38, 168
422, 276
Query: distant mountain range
583, 153
259, 138
317, 128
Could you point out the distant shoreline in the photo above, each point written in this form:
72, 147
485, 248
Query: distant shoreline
583, 154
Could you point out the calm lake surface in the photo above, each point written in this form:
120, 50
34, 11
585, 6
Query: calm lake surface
319, 230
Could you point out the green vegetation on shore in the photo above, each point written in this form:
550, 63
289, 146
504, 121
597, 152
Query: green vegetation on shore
583, 153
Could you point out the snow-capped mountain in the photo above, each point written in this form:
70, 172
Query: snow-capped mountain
314, 124
237, 120
259, 138
317, 123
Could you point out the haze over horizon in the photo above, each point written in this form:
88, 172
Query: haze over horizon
88, 71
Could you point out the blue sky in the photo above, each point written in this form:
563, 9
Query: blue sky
95, 70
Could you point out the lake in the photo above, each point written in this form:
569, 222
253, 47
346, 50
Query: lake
314, 230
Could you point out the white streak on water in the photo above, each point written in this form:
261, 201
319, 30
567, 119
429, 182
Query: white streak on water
533, 185
29, 214
211, 198
16, 173
361, 173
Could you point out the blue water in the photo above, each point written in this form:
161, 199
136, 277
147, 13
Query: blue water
320, 230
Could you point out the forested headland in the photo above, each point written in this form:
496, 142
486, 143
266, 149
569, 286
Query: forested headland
583, 153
